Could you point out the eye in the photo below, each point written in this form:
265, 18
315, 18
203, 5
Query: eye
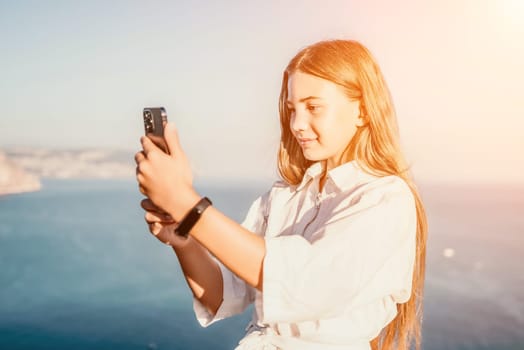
313, 108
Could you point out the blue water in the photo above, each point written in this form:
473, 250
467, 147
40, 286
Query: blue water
79, 270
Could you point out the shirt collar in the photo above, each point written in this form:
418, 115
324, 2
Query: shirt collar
315, 170
349, 175
344, 176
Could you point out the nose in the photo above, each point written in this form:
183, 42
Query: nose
299, 122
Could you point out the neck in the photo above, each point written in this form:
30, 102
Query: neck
323, 177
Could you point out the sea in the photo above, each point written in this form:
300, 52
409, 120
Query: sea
80, 270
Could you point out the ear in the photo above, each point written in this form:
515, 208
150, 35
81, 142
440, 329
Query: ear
361, 121
363, 116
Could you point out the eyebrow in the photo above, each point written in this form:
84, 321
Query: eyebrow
304, 99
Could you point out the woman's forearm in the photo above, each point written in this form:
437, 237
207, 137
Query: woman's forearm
202, 274
240, 250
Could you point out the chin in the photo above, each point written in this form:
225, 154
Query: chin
312, 157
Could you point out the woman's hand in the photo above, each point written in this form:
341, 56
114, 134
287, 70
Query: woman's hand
166, 179
162, 225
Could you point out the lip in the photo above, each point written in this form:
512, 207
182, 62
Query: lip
305, 141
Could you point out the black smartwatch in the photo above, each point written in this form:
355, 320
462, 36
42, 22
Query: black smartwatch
192, 217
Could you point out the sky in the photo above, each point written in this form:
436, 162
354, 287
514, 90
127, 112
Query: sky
78, 74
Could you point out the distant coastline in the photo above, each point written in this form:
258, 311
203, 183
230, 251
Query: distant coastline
21, 169
14, 179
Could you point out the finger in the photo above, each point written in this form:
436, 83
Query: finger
148, 145
155, 228
147, 204
154, 216
172, 140
139, 176
139, 156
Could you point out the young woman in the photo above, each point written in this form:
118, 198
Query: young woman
333, 256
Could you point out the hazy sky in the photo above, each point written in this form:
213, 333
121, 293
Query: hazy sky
77, 74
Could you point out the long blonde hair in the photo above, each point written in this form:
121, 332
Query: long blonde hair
375, 147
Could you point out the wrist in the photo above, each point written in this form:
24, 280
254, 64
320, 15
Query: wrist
185, 203
192, 217
184, 248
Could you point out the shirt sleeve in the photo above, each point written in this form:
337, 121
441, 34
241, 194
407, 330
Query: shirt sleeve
237, 294
364, 255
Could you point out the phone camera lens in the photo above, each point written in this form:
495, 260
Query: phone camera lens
148, 121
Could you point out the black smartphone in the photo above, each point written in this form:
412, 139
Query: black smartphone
155, 118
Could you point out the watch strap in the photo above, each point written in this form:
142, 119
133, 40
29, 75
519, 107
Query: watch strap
192, 217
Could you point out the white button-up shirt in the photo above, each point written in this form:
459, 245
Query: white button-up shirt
337, 262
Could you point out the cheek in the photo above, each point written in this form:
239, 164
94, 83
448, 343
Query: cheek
327, 128
337, 134
347, 132
290, 126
